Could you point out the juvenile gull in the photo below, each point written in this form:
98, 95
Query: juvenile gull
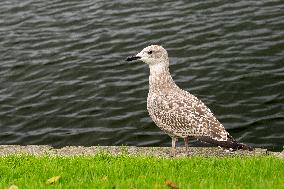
177, 112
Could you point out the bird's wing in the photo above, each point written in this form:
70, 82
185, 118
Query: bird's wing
186, 115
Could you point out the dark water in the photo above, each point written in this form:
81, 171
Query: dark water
63, 79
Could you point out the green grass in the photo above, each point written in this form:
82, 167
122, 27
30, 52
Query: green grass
106, 171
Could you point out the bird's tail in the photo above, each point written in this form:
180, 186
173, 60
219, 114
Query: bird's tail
244, 147
230, 143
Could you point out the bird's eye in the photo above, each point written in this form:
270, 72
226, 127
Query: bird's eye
150, 52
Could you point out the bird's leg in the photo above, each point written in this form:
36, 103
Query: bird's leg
174, 139
186, 144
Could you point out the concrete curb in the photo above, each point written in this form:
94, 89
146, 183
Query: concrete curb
129, 150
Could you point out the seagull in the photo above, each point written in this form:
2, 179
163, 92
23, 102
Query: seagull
177, 112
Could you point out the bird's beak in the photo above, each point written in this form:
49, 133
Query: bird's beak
130, 58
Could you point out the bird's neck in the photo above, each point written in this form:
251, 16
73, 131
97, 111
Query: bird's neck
160, 78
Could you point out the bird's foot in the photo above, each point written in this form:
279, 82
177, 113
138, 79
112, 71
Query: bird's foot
173, 153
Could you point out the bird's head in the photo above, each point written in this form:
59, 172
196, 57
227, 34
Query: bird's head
151, 55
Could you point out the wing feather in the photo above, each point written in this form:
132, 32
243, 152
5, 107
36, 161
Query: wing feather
181, 113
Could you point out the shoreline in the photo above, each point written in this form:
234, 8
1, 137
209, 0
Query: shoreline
40, 150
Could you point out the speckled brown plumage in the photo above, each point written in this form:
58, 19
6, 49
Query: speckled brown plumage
177, 112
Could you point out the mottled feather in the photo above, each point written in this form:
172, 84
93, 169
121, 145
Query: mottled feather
179, 113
